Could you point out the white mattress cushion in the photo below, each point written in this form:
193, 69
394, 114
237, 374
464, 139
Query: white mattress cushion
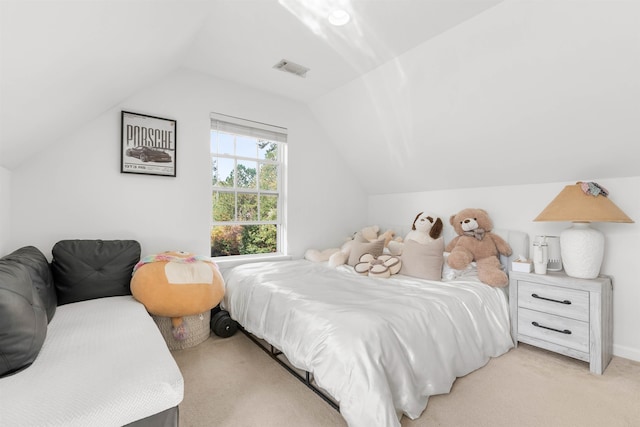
103, 363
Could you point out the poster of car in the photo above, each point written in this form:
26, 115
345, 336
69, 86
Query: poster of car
148, 145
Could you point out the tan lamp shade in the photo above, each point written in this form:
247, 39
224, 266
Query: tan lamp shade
572, 204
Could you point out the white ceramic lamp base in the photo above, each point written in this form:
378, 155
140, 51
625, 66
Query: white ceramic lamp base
582, 249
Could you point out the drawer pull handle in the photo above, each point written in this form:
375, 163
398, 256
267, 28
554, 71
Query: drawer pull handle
567, 302
536, 324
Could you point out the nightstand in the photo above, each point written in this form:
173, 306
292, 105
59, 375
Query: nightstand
563, 314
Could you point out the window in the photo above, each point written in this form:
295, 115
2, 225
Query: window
247, 170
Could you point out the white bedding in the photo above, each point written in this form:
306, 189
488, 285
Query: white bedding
103, 363
379, 346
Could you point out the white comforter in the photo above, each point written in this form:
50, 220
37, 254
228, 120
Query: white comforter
380, 347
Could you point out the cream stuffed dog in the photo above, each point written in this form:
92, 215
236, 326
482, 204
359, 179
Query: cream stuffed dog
425, 228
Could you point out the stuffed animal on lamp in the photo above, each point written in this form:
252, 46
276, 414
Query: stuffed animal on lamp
176, 285
425, 228
476, 242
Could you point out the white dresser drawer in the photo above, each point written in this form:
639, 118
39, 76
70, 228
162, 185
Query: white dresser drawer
555, 329
567, 315
554, 300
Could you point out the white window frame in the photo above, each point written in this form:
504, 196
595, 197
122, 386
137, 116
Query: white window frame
248, 128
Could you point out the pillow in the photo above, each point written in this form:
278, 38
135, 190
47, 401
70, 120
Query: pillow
359, 248
423, 260
38, 268
88, 269
24, 319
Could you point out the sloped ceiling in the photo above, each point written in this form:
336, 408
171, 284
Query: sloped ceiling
242, 40
64, 62
415, 94
527, 92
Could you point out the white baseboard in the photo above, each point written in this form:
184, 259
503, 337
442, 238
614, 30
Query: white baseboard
626, 352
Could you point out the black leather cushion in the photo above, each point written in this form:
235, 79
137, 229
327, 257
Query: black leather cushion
89, 269
23, 317
38, 268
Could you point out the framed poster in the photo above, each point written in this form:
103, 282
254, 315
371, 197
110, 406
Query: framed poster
148, 145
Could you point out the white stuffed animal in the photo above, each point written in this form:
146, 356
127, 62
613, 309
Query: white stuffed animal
339, 256
425, 228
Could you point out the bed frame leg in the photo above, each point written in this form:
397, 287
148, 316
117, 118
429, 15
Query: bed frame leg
274, 353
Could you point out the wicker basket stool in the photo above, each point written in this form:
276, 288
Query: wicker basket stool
197, 325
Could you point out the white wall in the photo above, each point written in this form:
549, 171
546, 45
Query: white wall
5, 203
515, 207
76, 190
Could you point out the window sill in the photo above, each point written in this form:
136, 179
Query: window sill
227, 262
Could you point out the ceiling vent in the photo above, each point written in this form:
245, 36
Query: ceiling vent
291, 67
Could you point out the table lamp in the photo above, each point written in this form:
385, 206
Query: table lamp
582, 247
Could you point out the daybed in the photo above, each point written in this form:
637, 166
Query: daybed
75, 348
379, 347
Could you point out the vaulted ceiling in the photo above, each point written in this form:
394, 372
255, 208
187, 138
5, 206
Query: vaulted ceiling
432, 94
65, 62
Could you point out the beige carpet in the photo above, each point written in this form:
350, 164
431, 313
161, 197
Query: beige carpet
231, 382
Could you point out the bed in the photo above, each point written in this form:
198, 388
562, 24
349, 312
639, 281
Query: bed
378, 346
76, 349
81, 378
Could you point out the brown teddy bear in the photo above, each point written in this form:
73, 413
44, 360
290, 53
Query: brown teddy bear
476, 242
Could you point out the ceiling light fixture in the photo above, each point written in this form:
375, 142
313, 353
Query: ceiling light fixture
338, 17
